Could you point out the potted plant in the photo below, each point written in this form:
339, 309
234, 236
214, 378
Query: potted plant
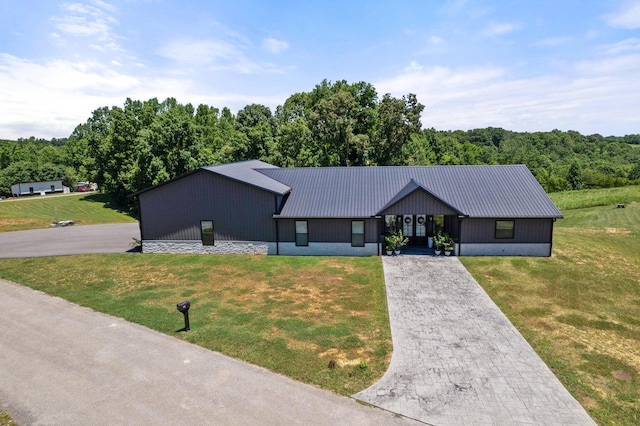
389, 244
438, 243
399, 241
448, 245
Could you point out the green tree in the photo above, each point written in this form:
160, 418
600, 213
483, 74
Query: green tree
574, 176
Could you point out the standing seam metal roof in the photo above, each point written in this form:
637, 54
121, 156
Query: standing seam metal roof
245, 171
505, 191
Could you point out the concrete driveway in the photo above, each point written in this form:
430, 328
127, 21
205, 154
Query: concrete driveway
457, 360
61, 364
74, 239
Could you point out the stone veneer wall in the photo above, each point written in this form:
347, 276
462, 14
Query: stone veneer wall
220, 247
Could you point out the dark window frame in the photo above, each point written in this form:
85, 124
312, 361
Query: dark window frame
207, 238
301, 238
358, 243
505, 233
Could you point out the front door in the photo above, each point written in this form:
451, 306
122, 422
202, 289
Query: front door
414, 227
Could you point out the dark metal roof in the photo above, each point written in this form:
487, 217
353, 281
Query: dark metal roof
506, 191
245, 171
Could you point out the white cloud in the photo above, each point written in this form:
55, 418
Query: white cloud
213, 54
623, 46
552, 41
599, 96
50, 99
273, 45
413, 67
627, 16
88, 21
436, 41
497, 29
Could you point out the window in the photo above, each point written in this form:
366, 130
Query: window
504, 229
357, 233
53, 188
206, 232
302, 233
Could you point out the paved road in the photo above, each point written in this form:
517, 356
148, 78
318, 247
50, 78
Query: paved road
457, 360
109, 238
61, 364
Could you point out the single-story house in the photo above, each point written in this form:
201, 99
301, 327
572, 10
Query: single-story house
38, 188
255, 207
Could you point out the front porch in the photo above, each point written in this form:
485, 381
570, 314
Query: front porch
419, 229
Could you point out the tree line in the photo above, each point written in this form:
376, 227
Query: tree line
142, 143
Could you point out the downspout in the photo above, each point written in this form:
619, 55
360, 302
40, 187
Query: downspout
277, 238
459, 237
140, 223
277, 227
551, 236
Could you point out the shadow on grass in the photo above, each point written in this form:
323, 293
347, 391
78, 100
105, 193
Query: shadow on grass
130, 209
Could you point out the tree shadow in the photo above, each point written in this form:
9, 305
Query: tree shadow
108, 203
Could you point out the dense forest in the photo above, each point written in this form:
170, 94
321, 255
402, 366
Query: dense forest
142, 143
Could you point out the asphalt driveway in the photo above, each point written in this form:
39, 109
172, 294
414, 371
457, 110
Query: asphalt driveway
457, 360
108, 238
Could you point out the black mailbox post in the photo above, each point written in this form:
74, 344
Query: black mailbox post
184, 308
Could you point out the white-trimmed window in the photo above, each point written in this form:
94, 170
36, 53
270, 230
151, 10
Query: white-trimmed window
357, 233
302, 233
504, 229
206, 232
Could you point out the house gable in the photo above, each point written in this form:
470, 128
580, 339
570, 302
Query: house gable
416, 199
239, 211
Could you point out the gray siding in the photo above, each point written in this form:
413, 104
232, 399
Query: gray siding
328, 230
525, 231
239, 212
419, 202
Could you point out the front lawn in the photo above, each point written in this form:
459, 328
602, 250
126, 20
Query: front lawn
292, 315
580, 309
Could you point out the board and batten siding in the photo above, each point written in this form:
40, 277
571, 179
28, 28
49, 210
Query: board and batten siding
419, 202
525, 231
328, 230
239, 212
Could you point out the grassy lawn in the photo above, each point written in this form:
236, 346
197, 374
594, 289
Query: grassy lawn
292, 315
39, 212
580, 309
5, 419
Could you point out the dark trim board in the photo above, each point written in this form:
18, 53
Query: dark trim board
254, 207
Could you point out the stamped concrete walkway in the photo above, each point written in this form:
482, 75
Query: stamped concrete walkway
457, 360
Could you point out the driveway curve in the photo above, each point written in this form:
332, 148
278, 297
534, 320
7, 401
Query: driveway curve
457, 360
68, 240
62, 364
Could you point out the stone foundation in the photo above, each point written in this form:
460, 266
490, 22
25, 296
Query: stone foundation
220, 247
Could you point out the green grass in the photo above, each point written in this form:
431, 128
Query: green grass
292, 315
40, 212
5, 419
569, 200
580, 309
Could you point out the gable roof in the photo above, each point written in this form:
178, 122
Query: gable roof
410, 189
242, 171
246, 171
506, 191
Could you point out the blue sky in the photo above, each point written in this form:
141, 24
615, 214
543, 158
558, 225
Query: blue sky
524, 65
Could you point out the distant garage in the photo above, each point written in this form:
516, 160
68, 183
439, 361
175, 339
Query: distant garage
38, 188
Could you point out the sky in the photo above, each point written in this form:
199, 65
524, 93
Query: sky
523, 65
